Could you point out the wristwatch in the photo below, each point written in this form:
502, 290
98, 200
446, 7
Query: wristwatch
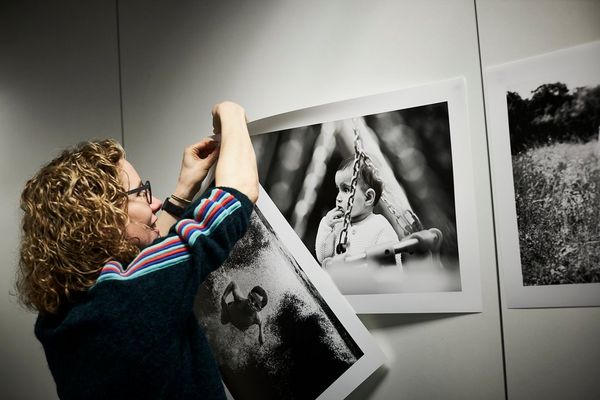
172, 209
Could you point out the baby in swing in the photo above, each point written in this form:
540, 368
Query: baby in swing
366, 228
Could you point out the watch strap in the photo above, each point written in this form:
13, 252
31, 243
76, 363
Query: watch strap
172, 209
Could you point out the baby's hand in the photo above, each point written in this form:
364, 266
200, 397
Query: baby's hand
334, 217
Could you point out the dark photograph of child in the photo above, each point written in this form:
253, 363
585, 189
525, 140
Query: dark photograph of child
371, 197
244, 312
273, 334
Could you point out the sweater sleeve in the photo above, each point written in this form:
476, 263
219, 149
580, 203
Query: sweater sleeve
161, 282
134, 334
325, 241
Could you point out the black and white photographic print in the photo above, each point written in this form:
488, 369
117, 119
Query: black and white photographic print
277, 328
545, 153
376, 196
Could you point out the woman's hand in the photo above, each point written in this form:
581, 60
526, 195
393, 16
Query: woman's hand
195, 164
236, 167
197, 160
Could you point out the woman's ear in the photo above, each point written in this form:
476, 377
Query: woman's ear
370, 197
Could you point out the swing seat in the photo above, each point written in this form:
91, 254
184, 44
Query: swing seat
381, 255
424, 242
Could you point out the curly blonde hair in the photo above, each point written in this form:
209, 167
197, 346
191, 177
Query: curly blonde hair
74, 219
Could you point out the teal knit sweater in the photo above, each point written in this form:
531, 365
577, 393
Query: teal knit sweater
134, 334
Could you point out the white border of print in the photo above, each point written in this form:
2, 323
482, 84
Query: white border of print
372, 357
452, 92
577, 62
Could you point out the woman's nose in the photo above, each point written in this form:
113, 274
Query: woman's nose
155, 205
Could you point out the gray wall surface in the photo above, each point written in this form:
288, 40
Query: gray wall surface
60, 84
550, 353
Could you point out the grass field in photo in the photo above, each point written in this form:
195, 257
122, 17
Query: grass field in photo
557, 194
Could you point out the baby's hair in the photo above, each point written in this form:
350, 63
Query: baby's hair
368, 177
263, 295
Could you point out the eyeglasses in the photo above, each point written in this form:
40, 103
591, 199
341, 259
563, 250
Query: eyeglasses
145, 188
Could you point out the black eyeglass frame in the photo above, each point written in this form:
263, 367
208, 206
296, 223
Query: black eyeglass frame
146, 188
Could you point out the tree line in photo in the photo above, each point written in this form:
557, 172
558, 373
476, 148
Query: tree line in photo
553, 114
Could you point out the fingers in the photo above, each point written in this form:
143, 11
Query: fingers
216, 122
212, 155
207, 149
335, 216
336, 213
203, 149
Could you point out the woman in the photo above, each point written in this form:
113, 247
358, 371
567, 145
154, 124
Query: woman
113, 286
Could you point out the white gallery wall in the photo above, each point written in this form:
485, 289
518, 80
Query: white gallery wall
550, 353
59, 84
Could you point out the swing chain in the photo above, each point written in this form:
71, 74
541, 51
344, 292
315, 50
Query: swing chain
359, 156
408, 220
